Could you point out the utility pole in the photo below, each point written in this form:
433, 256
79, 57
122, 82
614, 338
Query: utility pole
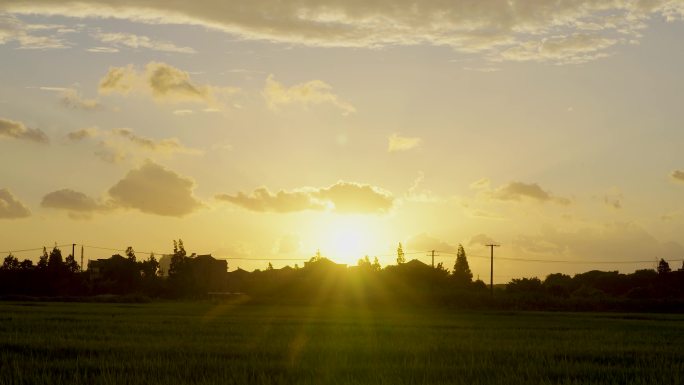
73, 250
491, 267
81, 257
433, 259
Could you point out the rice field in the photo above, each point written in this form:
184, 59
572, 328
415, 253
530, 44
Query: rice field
217, 343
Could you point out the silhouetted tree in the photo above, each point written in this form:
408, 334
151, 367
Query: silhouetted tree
270, 266
71, 264
376, 264
462, 273
401, 258
26, 264
130, 253
43, 260
663, 267
11, 263
364, 263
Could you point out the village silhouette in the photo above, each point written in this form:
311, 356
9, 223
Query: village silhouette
125, 278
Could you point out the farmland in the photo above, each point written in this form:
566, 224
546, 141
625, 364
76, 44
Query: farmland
208, 343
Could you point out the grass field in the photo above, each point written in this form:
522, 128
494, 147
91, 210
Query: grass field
205, 343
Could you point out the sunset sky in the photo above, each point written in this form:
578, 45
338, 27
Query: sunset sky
269, 129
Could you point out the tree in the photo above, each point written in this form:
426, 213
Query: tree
130, 253
55, 261
376, 264
462, 273
663, 267
401, 258
11, 263
270, 266
43, 261
71, 264
364, 263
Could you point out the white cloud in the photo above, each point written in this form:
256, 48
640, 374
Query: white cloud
313, 92
130, 40
402, 143
71, 98
27, 36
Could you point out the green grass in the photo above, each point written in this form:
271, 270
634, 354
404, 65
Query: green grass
205, 343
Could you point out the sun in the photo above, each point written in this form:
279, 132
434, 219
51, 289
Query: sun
347, 238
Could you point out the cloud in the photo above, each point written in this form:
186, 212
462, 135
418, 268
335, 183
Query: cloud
613, 201
170, 145
183, 112
481, 240
83, 133
575, 49
342, 197
349, 197
424, 242
162, 81
103, 50
154, 189
313, 92
71, 98
78, 204
401, 143
611, 241
11, 207
17, 130
263, 200
27, 36
480, 184
130, 40
517, 191
563, 32
677, 176
114, 147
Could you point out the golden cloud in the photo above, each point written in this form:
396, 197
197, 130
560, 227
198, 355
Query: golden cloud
342, 197
562, 32
313, 92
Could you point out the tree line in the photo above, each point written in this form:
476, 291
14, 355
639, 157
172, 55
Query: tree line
321, 280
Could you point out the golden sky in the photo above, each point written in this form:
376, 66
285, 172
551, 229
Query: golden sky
270, 129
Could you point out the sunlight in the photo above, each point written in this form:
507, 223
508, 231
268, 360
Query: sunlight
347, 238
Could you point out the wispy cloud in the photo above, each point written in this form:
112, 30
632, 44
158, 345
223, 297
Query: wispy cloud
129, 40
559, 32
313, 92
402, 143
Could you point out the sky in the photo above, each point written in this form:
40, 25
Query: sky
266, 130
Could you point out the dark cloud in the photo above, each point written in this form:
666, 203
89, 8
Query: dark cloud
154, 189
678, 176
11, 207
17, 130
281, 202
342, 197
517, 191
426, 242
